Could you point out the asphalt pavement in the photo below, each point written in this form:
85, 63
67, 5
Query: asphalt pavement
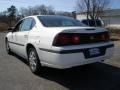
16, 75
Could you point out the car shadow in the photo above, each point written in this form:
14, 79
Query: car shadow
20, 58
97, 76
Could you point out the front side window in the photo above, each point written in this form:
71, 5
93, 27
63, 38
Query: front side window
18, 26
26, 26
59, 21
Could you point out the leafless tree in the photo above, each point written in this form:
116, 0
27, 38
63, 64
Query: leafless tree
37, 10
93, 8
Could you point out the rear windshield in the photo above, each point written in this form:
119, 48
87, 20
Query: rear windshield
95, 22
59, 21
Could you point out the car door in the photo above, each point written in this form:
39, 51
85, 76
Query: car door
13, 39
22, 36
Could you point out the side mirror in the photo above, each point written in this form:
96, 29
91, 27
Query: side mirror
11, 29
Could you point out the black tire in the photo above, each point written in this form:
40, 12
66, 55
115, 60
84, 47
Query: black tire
8, 47
34, 65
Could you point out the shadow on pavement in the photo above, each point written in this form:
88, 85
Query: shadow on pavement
20, 58
97, 76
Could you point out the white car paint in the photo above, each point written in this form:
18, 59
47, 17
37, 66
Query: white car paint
42, 38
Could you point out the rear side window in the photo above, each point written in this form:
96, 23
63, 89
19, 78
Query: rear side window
27, 24
33, 23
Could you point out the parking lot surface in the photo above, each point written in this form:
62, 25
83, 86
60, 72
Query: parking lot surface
16, 75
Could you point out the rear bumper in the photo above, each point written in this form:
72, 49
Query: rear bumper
70, 58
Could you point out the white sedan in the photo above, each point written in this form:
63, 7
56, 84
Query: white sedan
58, 42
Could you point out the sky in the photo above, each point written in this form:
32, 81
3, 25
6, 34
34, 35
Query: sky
59, 5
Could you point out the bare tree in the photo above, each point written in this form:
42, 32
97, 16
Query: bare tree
44, 10
93, 8
50, 10
36, 10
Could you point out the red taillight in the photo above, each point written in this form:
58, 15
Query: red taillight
66, 39
75, 39
61, 40
105, 36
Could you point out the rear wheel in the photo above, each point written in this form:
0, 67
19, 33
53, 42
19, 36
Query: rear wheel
34, 61
8, 47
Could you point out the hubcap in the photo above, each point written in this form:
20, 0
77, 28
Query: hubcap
32, 60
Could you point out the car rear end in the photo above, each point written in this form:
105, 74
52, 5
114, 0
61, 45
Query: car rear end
72, 44
74, 47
